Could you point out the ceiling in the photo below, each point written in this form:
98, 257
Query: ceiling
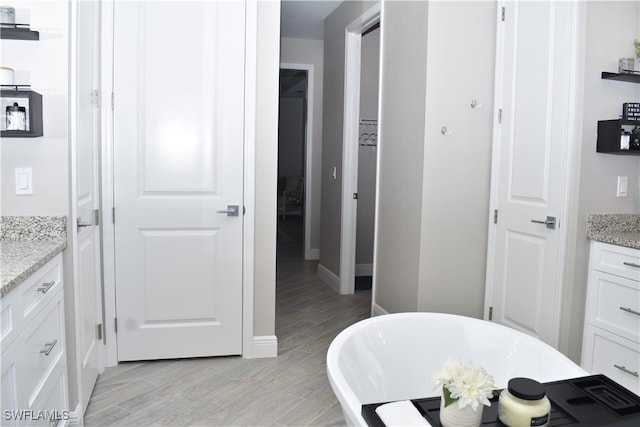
304, 19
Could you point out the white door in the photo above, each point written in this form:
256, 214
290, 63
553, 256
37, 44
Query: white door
88, 284
524, 271
178, 159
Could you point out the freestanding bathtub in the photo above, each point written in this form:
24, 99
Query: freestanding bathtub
392, 357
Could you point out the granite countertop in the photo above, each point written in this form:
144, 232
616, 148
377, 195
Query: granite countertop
26, 244
616, 229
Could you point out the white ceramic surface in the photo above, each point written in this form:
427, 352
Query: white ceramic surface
392, 357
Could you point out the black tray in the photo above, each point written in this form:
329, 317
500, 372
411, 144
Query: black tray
591, 401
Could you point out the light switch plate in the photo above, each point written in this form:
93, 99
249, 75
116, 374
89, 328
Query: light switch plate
623, 186
24, 181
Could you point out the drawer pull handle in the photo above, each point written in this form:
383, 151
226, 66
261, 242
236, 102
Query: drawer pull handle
624, 369
631, 264
630, 310
46, 286
49, 347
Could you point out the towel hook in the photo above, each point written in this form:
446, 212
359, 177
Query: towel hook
445, 131
475, 104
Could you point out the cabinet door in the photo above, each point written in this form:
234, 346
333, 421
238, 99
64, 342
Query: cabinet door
11, 396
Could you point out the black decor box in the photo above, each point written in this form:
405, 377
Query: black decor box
618, 137
33, 102
631, 111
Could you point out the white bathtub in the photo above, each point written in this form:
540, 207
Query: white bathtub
392, 357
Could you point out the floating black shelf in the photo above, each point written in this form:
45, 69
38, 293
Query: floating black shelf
33, 103
623, 77
609, 137
18, 32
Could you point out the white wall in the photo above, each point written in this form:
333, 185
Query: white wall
602, 100
310, 52
44, 65
266, 168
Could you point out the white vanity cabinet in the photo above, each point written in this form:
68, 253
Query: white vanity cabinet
34, 376
611, 342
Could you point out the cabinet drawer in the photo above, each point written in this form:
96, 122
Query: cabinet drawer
10, 319
40, 286
43, 348
618, 260
613, 303
49, 405
617, 358
10, 393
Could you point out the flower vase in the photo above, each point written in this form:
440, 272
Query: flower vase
451, 416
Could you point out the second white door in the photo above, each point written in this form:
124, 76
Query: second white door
524, 279
178, 138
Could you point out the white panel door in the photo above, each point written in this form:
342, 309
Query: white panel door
178, 141
88, 285
524, 277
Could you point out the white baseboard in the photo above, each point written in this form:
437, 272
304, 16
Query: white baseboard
75, 417
329, 277
377, 310
264, 346
312, 254
364, 269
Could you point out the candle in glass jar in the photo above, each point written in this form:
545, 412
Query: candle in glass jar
524, 403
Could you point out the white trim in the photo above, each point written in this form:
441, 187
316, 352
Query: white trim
108, 230
377, 310
308, 166
251, 73
312, 254
364, 270
329, 277
75, 416
348, 218
265, 346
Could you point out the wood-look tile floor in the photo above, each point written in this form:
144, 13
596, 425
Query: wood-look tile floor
289, 390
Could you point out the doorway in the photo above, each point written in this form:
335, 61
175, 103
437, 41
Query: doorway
294, 130
362, 65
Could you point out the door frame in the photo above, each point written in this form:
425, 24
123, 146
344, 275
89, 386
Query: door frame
571, 173
348, 217
308, 156
250, 347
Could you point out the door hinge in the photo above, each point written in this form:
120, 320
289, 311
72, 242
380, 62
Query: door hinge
113, 101
499, 115
99, 331
115, 324
113, 215
495, 216
96, 216
95, 98
355, 196
244, 210
490, 313
503, 12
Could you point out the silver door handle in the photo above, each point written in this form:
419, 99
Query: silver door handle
628, 371
629, 310
46, 286
631, 264
550, 222
232, 210
81, 224
49, 347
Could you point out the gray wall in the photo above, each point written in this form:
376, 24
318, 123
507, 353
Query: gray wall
332, 127
369, 72
602, 100
302, 51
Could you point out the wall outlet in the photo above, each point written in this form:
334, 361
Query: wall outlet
623, 186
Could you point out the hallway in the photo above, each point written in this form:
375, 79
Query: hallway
291, 389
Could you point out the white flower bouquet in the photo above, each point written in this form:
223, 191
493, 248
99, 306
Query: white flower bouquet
464, 383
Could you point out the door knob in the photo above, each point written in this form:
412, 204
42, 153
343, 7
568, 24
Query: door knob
550, 222
232, 210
